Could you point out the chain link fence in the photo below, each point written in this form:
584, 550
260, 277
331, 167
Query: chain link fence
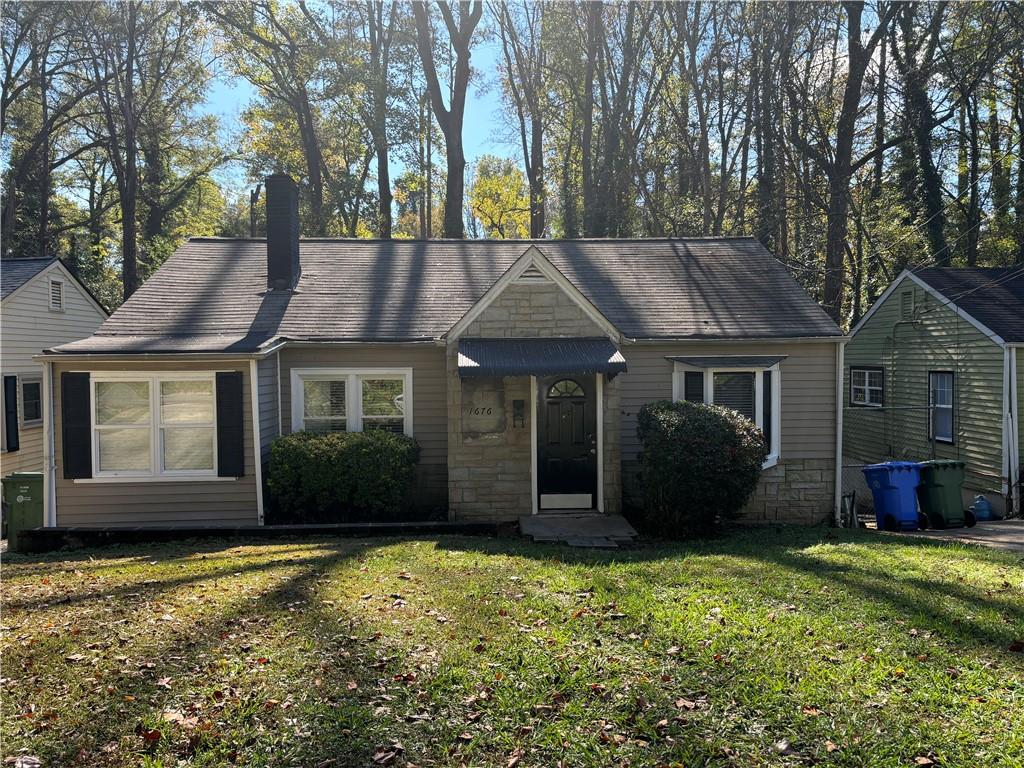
875, 434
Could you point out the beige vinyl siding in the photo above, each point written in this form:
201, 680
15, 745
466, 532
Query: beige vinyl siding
27, 327
220, 501
429, 417
808, 399
936, 339
270, 421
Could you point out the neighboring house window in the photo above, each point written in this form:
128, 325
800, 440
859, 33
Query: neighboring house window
158, 425
56, 295
344, 400
31, 402
754, 393
867, 386
940, 400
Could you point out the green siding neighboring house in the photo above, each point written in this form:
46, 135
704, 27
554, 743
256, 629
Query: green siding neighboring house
915, 341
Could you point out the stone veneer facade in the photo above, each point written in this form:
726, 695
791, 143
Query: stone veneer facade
793, 491
489, 473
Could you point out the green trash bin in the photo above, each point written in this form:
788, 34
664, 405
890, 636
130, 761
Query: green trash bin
940, 494
23, 496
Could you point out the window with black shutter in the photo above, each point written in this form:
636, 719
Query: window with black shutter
11, 441
230, 425
76, 433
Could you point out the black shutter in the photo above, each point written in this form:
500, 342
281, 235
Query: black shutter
230, 429
11, 413
766, 408
75, 428
693, 386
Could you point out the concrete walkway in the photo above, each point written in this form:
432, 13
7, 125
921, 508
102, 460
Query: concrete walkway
998, 534
591, 529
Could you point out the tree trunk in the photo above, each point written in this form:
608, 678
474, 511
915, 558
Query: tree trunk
594, 27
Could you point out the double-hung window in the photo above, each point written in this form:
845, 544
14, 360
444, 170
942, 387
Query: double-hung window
154, 425
31, 402
752, 391
867, 387
351, 400
940, 401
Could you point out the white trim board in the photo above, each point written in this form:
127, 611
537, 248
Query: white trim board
533, 258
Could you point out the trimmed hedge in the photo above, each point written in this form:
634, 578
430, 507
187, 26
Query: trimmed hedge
699, 465
341, 477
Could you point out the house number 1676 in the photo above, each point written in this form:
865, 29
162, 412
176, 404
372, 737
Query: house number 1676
481, 411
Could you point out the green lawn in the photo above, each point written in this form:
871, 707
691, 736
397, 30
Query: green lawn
768, 647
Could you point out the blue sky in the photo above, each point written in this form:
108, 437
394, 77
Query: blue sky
486, 131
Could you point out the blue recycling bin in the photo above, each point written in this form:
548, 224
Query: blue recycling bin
893, 486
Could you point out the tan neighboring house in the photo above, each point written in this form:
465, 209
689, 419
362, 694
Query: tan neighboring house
42, 305
518, 366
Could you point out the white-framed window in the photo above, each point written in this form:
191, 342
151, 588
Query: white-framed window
754, 392
31, 401
867, 386
352, 399
941, 395
154, 425
56, 295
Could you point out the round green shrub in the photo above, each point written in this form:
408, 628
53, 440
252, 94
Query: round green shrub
341, 476
699, 465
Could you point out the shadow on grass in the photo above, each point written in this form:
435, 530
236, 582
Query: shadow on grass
103, 726
938, 604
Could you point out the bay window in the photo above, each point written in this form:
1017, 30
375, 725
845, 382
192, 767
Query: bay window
751, 386
351, 400
153, 425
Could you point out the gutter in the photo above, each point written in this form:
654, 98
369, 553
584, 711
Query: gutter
837, 339
840, 381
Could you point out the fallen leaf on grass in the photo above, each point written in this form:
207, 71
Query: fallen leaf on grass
352, 685
387, 755
811, 711
28, 761
1017, 646
685, 704
165, 682
515, 757
923, 760
830, 746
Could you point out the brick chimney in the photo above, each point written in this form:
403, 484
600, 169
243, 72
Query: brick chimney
283, 267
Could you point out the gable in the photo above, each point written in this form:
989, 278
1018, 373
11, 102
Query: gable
533, 299
925, 304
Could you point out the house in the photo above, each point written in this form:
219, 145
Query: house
518, 366
42, 305
934, 370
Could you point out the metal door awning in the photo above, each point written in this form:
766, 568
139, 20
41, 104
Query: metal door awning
538, 357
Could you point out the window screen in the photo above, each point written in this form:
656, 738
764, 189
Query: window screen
31, 401
736, 391
324, 406
693, 386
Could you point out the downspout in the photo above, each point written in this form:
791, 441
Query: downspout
840, 379
257, 449
49, 464
1014, 475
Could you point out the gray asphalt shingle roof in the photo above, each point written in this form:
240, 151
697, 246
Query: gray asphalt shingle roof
994, 296
211, 294
14, 273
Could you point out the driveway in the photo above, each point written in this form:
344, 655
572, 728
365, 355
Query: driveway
999, 534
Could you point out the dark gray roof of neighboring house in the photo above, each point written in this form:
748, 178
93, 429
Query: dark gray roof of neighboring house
994, 296
14, 273
211, 295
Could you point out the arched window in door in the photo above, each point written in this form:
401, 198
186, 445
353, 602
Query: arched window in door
566, 388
